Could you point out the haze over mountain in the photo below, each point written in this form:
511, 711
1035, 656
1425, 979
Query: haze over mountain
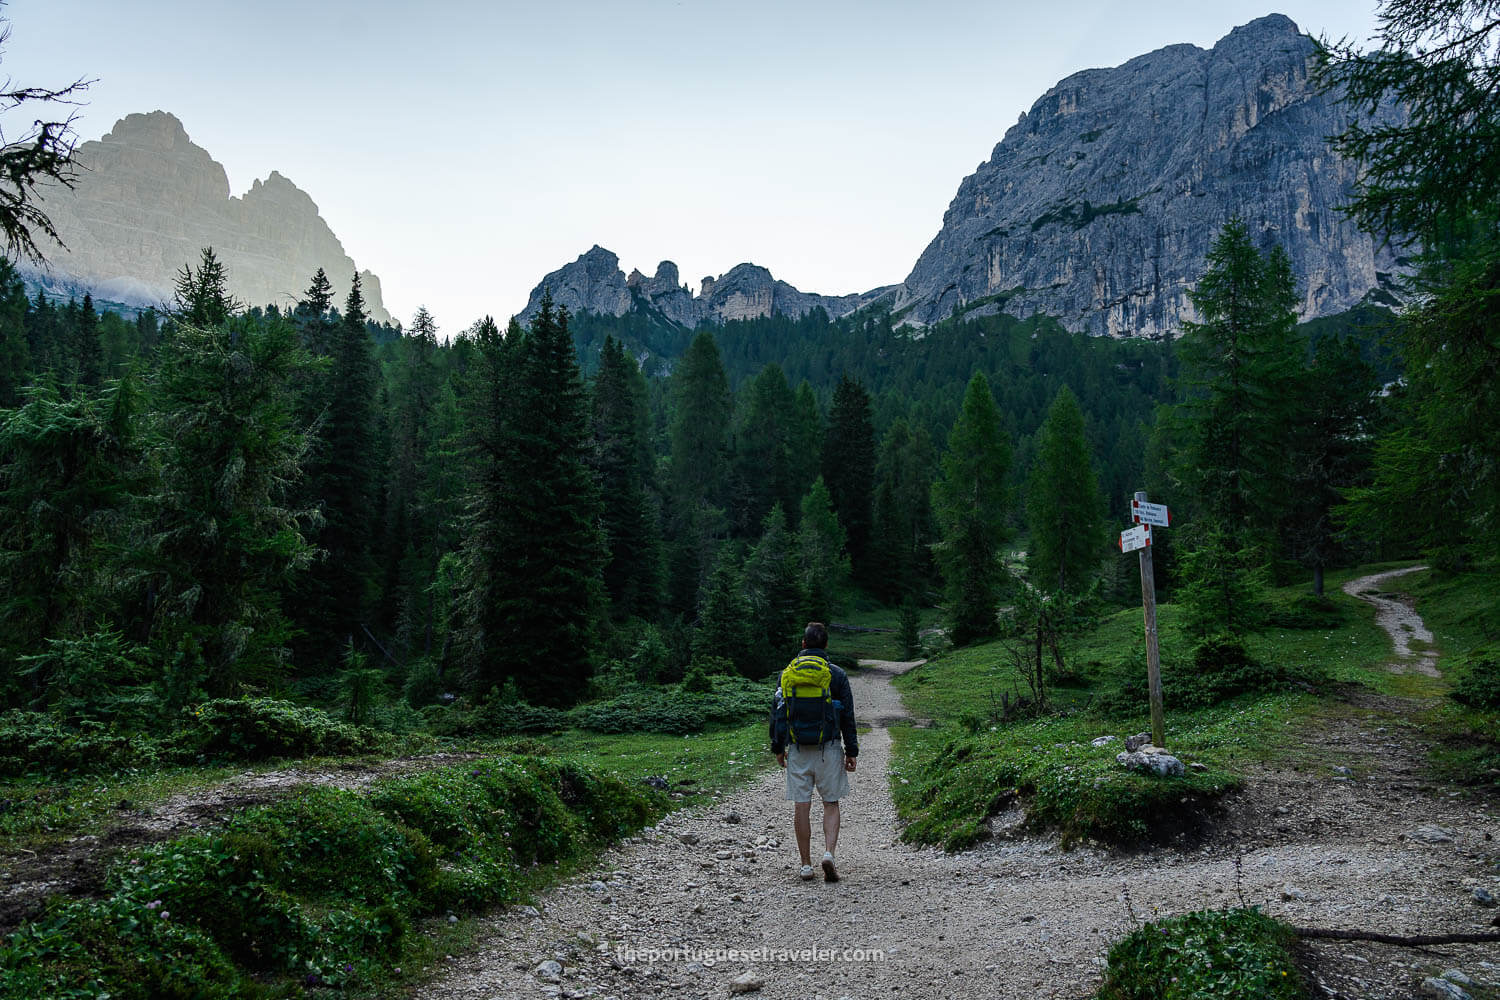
1099, 205
148, 200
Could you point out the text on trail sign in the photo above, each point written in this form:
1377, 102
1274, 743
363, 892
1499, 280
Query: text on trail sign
1135, 538
1142, 512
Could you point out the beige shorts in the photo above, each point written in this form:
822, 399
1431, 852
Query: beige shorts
821, 766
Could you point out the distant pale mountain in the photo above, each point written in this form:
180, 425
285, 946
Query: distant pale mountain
1098, 207
594, 282
148, 200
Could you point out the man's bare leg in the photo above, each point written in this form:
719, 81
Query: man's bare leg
802, 824
830, 827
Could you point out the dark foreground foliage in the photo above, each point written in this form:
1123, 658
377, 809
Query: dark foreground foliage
320, 890
1207, 955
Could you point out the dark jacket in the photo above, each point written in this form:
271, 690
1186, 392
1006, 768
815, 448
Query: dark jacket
843, 701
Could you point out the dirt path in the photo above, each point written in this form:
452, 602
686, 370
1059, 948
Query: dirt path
1010, 918
1397, 614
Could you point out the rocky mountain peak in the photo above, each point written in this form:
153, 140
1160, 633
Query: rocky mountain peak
1099, 205
595, 283
149, 199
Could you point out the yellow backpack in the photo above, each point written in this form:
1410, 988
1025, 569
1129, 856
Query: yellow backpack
807, 695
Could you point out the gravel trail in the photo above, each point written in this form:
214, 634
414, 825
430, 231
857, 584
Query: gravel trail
1396, 614
1011, 918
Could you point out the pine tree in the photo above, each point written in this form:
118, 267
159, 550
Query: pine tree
88, 354
823, 549
1331, 452
724, 628
1239, 369
409, 552
972, 504
202, 296
222, 542
634, 573
773, 582
698, 473
805, 445
1064, 508
762, 449
849, 465
343, 479
903, 531
532, 575
15, 351
311, 315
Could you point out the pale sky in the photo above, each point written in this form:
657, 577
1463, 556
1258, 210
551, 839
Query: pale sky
463, 149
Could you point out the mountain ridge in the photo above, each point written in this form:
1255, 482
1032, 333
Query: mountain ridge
147, 200
1098, 207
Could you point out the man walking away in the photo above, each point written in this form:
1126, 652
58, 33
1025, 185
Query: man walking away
812, 709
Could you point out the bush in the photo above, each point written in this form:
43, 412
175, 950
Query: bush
1076, 789
424, 683
1220, 668
38, 743
1477, 679
1205, 955
1306, 611
676, 709
262, 728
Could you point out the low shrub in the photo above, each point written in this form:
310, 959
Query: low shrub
1305, 612
320, 889
262, 728
1476, 681
1074, 788
1219, 668
676, 709
40, 743
1205, 955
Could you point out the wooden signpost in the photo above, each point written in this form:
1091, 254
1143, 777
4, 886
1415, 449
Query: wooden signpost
1138, 539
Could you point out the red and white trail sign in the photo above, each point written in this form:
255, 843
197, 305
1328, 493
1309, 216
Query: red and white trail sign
1142, 512
1135, 538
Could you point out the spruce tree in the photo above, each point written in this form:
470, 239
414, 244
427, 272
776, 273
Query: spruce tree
343, 479
634, 572
762, 449
805, 446
87, 352
15, 351
972, 503
724, 625
849, 465
221, 541
1064, 509
698, 473
1240, 366
773, 582
202, 296
823, 549
410, 553
903, 530
534, 595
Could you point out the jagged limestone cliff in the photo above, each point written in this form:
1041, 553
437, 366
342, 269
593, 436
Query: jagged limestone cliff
594, 282
147, 201
1099, 205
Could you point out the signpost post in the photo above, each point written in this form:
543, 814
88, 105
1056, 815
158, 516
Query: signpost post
1146, 514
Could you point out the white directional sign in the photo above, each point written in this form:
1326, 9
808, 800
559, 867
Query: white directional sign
1135, 538
1142, 512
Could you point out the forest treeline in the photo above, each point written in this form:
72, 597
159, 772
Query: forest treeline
218, 499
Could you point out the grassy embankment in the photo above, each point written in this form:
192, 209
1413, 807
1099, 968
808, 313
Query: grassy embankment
948, 780
330, 888
951, 778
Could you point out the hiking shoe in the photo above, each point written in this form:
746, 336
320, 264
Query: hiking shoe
807, 873
830, 873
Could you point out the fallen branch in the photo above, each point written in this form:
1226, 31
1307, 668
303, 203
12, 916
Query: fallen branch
1417, 941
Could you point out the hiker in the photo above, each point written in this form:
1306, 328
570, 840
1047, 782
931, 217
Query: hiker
813, 706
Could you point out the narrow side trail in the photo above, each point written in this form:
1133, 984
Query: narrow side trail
1007, 919
1396, 614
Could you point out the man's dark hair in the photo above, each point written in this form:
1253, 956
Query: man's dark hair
815, 636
